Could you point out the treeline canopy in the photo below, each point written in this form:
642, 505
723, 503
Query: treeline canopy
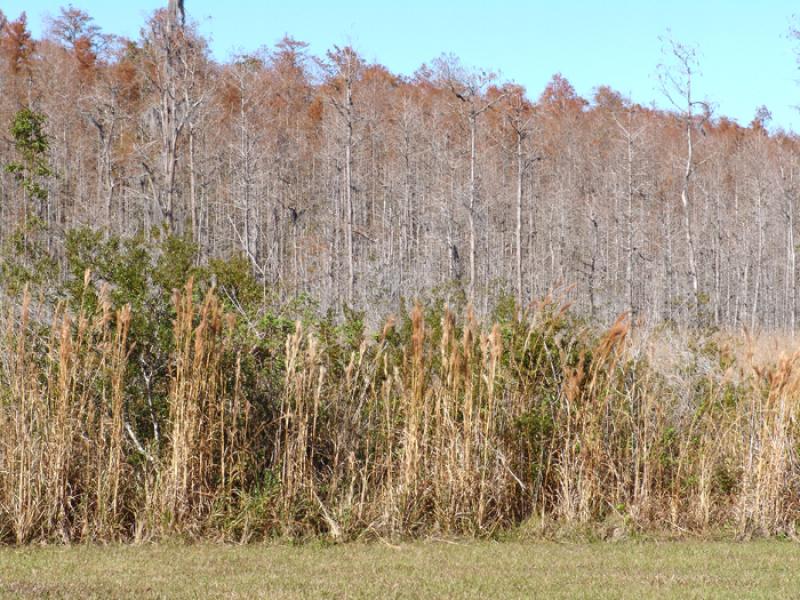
337, 178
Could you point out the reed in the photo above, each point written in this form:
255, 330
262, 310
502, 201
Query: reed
437, 425
61, 420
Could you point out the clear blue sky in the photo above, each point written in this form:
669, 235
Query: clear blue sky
747, 56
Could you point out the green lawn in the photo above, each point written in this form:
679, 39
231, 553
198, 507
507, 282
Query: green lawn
419, 570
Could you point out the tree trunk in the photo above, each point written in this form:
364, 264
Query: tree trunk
687, 226
472, 200
518, 232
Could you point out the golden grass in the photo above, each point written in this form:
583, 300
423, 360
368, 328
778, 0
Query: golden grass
453, 428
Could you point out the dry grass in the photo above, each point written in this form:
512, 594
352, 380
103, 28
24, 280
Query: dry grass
435, 427
62, 466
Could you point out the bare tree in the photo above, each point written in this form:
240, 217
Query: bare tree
676, 83
174, 59
344, 67
521, 118
469, 88
631, 135
341, 180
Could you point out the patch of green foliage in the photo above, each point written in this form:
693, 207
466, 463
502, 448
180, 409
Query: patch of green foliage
144, 273
25, 261
32, 145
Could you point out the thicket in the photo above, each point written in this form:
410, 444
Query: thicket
149, 396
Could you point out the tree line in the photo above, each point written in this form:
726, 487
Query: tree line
338, 179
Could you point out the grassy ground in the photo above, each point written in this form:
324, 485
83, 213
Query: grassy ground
419, 570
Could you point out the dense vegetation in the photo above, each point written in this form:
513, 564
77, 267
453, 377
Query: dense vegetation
336, 178
135, 407
199, 262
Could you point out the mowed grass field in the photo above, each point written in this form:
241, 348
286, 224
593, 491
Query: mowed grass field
473, 569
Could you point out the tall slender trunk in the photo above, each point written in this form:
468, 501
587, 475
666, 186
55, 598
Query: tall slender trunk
718, 261
520, 175
193, 187
593, 226
250, 237
668, 265
629, 232
791, 267
472, 202
687, 226
348, 169
405, 219
759, 260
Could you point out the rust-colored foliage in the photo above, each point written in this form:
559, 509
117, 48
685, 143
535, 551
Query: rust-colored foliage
17, 44
84, 53
559, 96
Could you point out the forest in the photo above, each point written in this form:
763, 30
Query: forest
290, 295
339, 180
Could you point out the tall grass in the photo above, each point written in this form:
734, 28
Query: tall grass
62, 454
436, 425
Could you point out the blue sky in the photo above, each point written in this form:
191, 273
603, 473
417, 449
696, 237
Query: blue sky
746, 53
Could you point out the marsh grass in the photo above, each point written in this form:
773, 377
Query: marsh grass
438, 425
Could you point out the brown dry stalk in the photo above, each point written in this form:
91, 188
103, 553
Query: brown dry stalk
455, 428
